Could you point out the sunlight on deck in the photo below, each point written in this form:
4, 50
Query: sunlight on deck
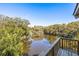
65, 52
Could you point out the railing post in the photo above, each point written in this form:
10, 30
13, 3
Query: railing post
78, 48
53, 52
62, 43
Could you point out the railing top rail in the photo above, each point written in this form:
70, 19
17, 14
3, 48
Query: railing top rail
71, 39
45, 52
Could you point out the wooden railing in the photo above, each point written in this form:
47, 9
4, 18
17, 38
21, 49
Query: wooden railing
66, 44
70, 45
53, 50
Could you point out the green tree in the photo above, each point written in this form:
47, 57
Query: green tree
14, 36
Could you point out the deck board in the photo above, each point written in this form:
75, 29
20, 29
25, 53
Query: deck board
64, 52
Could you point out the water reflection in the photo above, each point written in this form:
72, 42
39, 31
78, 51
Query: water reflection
40, 44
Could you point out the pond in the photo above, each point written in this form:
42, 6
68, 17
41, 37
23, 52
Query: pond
40, 45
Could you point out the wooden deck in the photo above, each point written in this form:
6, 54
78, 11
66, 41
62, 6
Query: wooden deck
64, 52
63, 47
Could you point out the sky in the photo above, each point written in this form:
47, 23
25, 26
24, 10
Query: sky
40, 13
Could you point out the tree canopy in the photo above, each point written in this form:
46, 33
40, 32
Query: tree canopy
14, 35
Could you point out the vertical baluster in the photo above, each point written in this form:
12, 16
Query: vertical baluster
66, 43
74, 49
54, 50
68, 46
62, 45
71, 47
78, 48
58, 46
76, 45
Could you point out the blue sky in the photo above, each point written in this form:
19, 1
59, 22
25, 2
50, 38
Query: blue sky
40, 13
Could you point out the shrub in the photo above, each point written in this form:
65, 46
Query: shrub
14, 36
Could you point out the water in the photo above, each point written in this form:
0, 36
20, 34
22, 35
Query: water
38, 46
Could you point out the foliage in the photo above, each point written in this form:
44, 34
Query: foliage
69, 30
13, 36
37, 31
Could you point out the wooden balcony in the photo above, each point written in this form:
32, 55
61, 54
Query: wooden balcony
76, 11
62, 47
